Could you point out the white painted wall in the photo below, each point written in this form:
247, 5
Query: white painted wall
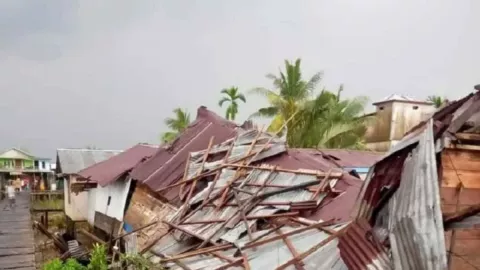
118, 192
77, 208
92, 193
44, 165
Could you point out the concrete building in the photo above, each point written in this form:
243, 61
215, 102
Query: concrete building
393, 117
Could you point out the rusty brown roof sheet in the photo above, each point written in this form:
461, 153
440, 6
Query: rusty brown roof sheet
360, 249
338, 208
168, 164
353, 158
109, 170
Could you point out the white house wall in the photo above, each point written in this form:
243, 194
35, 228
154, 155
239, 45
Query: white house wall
118, 192
76, 205
92, 198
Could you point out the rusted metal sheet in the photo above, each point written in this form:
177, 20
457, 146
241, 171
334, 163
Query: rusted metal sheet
349, 158
168, 164
73, 160
111, 169
415, 218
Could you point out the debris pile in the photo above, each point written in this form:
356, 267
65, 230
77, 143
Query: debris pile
241, 211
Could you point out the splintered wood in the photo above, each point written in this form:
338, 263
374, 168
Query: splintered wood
241, 193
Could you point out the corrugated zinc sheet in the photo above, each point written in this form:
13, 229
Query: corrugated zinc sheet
415, 222
349, 158
256, 177
168, 164
338, 208
109, 170
266, 145
72, 161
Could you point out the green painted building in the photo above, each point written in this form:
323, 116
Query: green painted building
16, 163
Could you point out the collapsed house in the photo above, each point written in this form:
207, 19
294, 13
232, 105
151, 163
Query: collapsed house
250, 202
226, 196
422, 199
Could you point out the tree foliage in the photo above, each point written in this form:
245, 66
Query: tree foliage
324, 120
98, 261
232, 96
177, 124
437, 101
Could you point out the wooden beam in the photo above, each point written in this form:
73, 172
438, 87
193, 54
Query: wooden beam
464, 147
468, 136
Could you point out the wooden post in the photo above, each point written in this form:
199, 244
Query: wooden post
46, 220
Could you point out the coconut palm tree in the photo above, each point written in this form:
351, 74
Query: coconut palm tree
437, 101
288, 97
231, 95
330, 122
176, 124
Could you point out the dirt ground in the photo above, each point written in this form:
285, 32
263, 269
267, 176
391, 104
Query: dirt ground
45, 250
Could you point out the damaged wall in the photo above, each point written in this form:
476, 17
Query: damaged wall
144, 208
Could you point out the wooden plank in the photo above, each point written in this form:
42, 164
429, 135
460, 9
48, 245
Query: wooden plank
16, 251
105, 223
468, 136
16, 235
469, 179
16, 261
470, 147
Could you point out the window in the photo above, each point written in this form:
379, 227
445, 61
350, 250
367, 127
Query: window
43, 165
415, 107
381, 108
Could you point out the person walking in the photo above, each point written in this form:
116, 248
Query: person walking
11, 195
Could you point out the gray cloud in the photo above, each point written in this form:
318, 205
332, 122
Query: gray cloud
108, 72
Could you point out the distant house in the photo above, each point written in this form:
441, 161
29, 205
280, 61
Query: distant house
69, 163
16, 163
393, 117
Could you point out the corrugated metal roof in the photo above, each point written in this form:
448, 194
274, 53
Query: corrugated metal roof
353, 248
71, 161
348, 158
109, 170
415, 219
338, 208
168, 164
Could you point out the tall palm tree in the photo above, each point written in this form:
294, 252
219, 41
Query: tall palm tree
289, 95
231, 95
437, 101
176, 124
330, 122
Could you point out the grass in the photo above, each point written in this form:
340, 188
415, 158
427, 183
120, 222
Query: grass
48, 204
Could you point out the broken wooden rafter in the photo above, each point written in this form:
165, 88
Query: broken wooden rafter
136, 230
298, 264
92, 237
311, 250
287, 214
244, 217
275, 238
205, 157
198, 252
332, 175
461, 215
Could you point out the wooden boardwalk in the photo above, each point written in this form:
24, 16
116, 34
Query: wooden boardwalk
17, 249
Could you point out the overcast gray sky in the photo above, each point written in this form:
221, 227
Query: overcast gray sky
107, 73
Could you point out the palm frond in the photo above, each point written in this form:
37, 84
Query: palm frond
242, 97
265, 112
223, 100
168, 136
311, 85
